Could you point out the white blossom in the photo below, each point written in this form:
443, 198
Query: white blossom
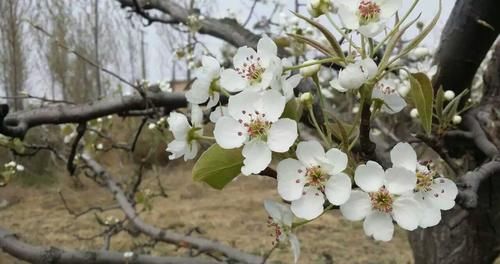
456, 119
186, 135
354, 75
206, 86
386, 90
219, 112
281, 218
19, 167
449, 95
151, 126
316, 174
254, 70
367, 16
254, 121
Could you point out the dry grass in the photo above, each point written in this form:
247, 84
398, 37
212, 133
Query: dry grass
234, 216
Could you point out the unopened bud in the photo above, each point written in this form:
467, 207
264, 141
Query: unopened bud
310, 70
306, 99
457, 119
449, 95
414, 113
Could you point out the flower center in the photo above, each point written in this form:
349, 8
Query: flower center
425, 177
382, 200
368, 11
251, 70
257, 126
316, 177
193, 134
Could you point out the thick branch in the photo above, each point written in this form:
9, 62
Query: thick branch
472, 180
469, 33
201, 244
17, 124
10, 244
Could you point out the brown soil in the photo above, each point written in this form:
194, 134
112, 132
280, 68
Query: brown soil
235, 216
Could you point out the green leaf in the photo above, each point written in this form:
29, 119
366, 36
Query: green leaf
328, 35
422, 95
293, 110
452, 107
217, 166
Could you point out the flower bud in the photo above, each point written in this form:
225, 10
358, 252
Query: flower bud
317, 8
310, 70
19, 167
151, 126
420, 52
414, 113
449, 95
99, 146
456, 119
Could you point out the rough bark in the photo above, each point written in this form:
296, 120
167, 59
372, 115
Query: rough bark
468, 236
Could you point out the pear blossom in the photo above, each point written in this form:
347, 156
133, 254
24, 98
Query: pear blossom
367, 16
206, 86
316, 174
253, 70
383, 197
186, 135
254, 121
281, 217
386, 91
434, 193
354, 75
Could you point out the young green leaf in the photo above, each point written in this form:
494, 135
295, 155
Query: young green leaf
318, 46
293, 110
217, 166
422, 95
439, 103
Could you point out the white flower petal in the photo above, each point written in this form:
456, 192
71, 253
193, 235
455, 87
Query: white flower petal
213, 100
241, 56
229, 133
272, 104
442, 194
291, 179
196, 115
338, 188
242, 104
211, 66
257, 156
335, 84
232, 81
346, 11
357, 207
430, 216
280, 213
191, 150
282, 135
309, 152
369, 177
403, 155
388, 7
379, 225
218, 113
198, 93
400, 180
310, 205
405, 211
395, 103
337, 159
289, 84
351, 77
178, 148
266, 48
178, 124
369, 68
372, 29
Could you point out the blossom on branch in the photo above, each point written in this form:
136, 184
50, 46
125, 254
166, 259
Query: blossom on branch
186, 135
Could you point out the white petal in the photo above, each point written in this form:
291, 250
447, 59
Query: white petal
211, 66
400, 180
178, 148
178, 124
191, 150
443, 193
272, 104
232, 81
406, 212
388, 7
310, 205
240, 105
291, 179
282, 135
229, 133
266, 48
335, 84
241, 56
213, 100
403, 155
357, 207
351, 77
218, 113
257, 156
430, 216
295, 245
196, 115
337, 159
289, 84
379, 225
372, 29
369, 177
198, 93
338, 188
309, 152
280, 213
395, 103
348, 15
369, 68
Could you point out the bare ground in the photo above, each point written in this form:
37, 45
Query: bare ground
234, 216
